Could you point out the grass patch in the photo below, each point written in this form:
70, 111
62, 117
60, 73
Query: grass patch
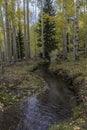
8, 98
70, 126
19, 81
77, 72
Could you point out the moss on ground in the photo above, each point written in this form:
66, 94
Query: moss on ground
76, 71
19, 81
74, 125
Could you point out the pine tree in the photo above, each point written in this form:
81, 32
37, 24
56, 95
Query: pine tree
49, 31
20, 45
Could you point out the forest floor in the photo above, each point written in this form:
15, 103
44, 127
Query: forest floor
17, 82
20, 81
75, 73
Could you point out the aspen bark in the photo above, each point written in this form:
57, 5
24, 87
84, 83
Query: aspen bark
76, 31
25, 40
7, 30
85, 22
42, 30
3, 30
28, 32
65, 31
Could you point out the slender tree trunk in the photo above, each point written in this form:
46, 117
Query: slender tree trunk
42, 30
19, 28
85, 22
25, 40
76, 31
2, 60
35, 12
28, 32
3, 30
68, 42
7, 30
14, 44
11, 38
34, 22
65, 31
14, 33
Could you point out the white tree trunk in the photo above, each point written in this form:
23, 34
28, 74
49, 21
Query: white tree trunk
28, 32
76, 31
85, 22
42, 30
25, 29
3, 30
65, 31
7, 30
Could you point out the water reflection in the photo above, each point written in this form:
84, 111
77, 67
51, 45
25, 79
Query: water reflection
39, 112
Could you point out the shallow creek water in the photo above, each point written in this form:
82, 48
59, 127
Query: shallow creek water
41, 111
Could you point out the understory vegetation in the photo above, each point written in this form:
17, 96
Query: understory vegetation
75, 73
18, 82
34, 32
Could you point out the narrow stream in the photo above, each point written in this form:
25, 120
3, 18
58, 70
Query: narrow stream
39, 112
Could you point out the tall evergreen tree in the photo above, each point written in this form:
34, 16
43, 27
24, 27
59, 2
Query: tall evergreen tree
20, 45
49, 31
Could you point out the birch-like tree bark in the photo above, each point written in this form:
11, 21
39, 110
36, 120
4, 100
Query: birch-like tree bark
28, 32
35, 12
42, 30
85, 22
25, 40
3, 30
65, 31
76, 31
7, 30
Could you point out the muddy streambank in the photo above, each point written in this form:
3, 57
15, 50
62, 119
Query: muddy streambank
77, 84
18, 82
52, 105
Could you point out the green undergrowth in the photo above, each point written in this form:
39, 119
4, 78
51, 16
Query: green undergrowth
77, 122
73, 125
76, 71
19, 81
70, 66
